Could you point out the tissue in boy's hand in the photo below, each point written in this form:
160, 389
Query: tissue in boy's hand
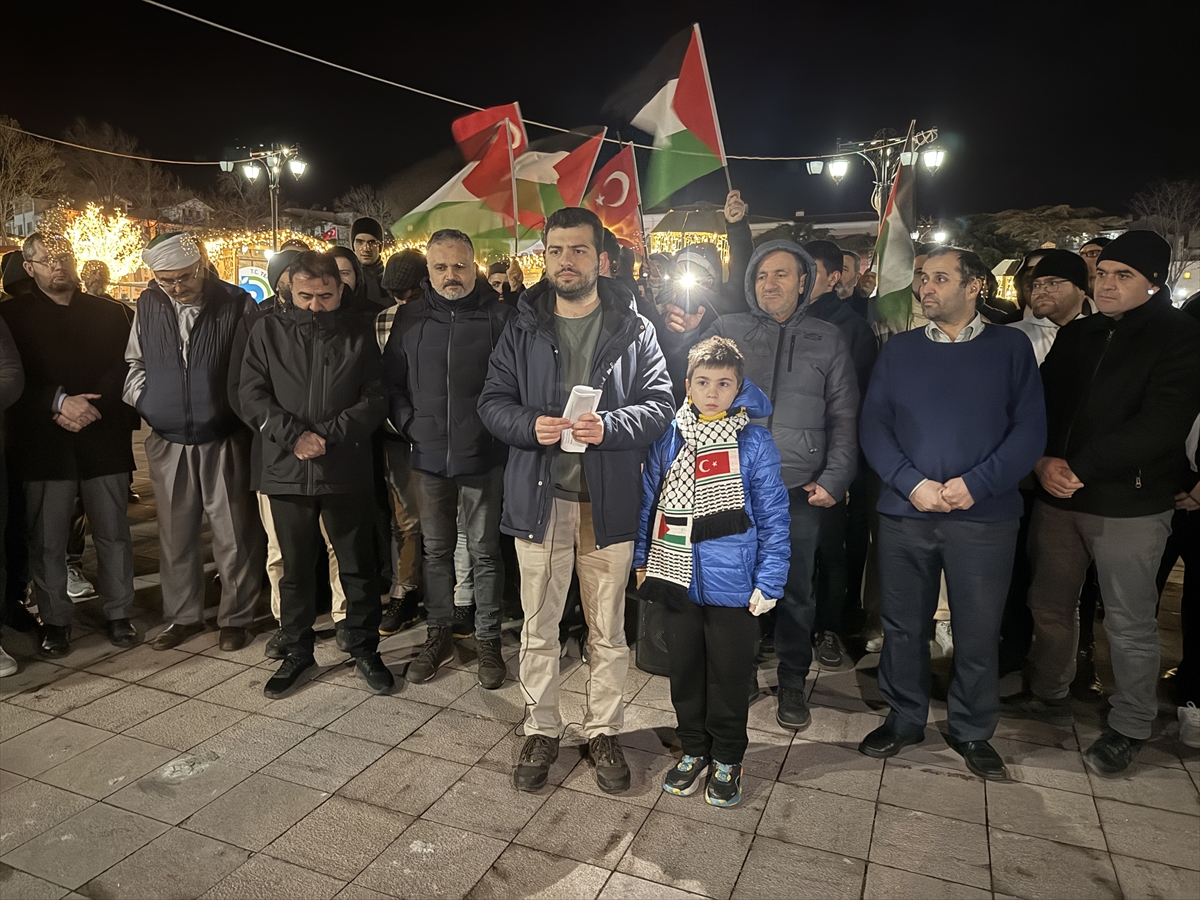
583, 399
760, 604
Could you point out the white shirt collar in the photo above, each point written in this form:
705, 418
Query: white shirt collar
971, 331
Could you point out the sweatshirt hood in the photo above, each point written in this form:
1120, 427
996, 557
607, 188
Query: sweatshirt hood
758, 406
807, 267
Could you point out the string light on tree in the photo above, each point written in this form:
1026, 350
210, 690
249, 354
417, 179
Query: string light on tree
114, 239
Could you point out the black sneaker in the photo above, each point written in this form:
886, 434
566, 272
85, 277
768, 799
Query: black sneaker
792, 713
725, 786
612, 772
438, 649
294, 672
533, 767
378, 677
400, 614
275, 648
829, 651
464, 621
1112, 753
685, 776
341, 637
491, 664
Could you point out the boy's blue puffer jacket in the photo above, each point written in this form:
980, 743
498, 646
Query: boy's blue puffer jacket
725, 571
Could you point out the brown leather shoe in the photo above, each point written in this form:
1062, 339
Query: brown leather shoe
233, 638
175, 634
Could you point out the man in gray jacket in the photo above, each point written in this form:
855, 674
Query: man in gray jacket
805, 368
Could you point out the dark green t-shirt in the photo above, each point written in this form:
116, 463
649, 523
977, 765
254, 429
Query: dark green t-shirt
577, 343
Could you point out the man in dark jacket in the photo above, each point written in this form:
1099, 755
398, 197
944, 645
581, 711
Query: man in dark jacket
70, 434
311, 386
366, 237
575, 508
198, 451
804, 367
435, 364
832, 585
1122, 390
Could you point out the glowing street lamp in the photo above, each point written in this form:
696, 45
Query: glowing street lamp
933, 158
815, 166
838, 169
251, 171
274, 158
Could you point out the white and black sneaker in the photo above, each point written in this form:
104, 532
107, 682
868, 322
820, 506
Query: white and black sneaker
725, 786
686, 776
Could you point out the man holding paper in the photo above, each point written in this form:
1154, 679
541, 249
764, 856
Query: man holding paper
575, 509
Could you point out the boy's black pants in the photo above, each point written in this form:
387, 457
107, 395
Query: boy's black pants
711, 651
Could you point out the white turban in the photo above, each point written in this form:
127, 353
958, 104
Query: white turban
169, 253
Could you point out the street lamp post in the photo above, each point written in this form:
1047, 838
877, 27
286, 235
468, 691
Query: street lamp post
273, 161
885, 154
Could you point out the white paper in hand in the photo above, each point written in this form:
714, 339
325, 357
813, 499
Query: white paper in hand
583, 399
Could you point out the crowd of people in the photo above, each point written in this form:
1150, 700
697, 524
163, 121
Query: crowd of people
423, 440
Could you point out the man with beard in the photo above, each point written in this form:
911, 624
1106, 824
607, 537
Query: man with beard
848, 288
435, 363
199, 453
366, 238
70, 435
567, 509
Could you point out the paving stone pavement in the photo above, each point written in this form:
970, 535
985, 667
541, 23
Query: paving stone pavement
140, 774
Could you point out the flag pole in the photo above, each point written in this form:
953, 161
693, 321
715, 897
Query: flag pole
512, 177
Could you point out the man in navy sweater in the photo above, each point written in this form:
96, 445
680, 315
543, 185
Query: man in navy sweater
953, 419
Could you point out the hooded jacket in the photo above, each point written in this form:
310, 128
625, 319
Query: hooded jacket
1121, 395
317, 372
726, 570
525, 380
434, 364
804, 367
859, 338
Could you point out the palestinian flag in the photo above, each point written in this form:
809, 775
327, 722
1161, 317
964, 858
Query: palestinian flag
478, 201
553, 173
672, 100
890, 310
616, 197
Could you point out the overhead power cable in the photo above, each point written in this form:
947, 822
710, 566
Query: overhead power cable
168, 162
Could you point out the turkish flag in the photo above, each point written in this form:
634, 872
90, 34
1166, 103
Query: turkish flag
616, 196
714, 463
474, 132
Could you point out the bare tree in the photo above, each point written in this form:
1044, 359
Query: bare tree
1172, 209
100, 177
1062, 225
28, 168
238, 203
366, 200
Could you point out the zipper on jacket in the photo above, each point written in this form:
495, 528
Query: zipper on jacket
312, 386
449, 401
185, 370
1071, 426
775, 375
791, 352
1137, 481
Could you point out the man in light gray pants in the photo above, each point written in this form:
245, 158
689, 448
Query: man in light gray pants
1122, 389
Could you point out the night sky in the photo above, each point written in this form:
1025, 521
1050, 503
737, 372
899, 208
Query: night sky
1037, 104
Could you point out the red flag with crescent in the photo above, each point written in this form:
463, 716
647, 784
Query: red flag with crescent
615, 196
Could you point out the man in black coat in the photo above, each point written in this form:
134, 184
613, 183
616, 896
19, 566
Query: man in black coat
311, 387
366, 237
435, 364
1122, 390
70, 435
199, 452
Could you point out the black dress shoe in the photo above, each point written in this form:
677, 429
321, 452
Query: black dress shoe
378, 677
792, 710
883, 742
982, 759
121, 633
174, 635
56, 641
341, 637
294, 672
276, 649
233, 638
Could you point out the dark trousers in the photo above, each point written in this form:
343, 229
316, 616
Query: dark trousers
1184, 543
711, 651
16, 546
1016, 628
831, 578
349, 520
437, 503
49, 506
75, 540
858, 536
797, 609
977, 558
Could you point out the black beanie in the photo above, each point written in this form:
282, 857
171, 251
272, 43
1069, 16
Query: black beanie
1063, 264
403, 272
498, 268
1142, 250
16, 279
1099, 241
278, 264
366, 225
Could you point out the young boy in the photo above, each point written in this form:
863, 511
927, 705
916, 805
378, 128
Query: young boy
713, 547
